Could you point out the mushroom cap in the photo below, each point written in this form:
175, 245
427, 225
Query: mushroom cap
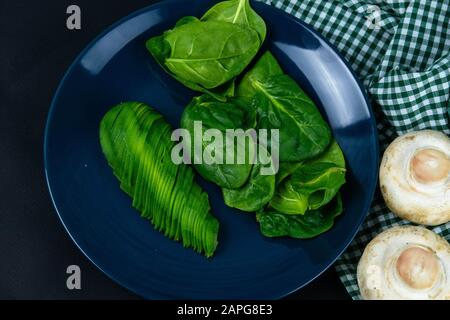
415, 177
406, 262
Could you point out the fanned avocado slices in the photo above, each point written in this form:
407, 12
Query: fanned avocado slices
135, 140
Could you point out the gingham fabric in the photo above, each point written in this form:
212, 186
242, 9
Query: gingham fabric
400, 50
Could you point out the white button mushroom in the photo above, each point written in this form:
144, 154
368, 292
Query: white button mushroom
405, 263
415, 177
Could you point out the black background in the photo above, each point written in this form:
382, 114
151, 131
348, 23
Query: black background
35, 50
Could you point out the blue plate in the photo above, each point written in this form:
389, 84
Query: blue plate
98, 215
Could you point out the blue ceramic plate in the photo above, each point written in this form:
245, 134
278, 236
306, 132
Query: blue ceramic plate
98, 215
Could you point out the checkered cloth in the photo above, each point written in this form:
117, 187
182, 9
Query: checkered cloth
400, 49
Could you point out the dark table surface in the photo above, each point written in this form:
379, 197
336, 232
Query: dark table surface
35, 50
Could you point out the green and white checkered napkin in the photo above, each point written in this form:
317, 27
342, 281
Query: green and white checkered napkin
400, 50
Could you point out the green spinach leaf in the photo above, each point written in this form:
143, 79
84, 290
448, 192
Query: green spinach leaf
239, 12
333, 154
281, 104
258, 190
311, 224
222, 116
207, 54
311, 185
266, 67
286, 169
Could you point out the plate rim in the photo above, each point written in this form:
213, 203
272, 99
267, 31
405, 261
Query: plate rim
155, 6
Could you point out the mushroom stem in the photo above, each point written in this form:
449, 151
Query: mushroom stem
418, 267
430, 166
